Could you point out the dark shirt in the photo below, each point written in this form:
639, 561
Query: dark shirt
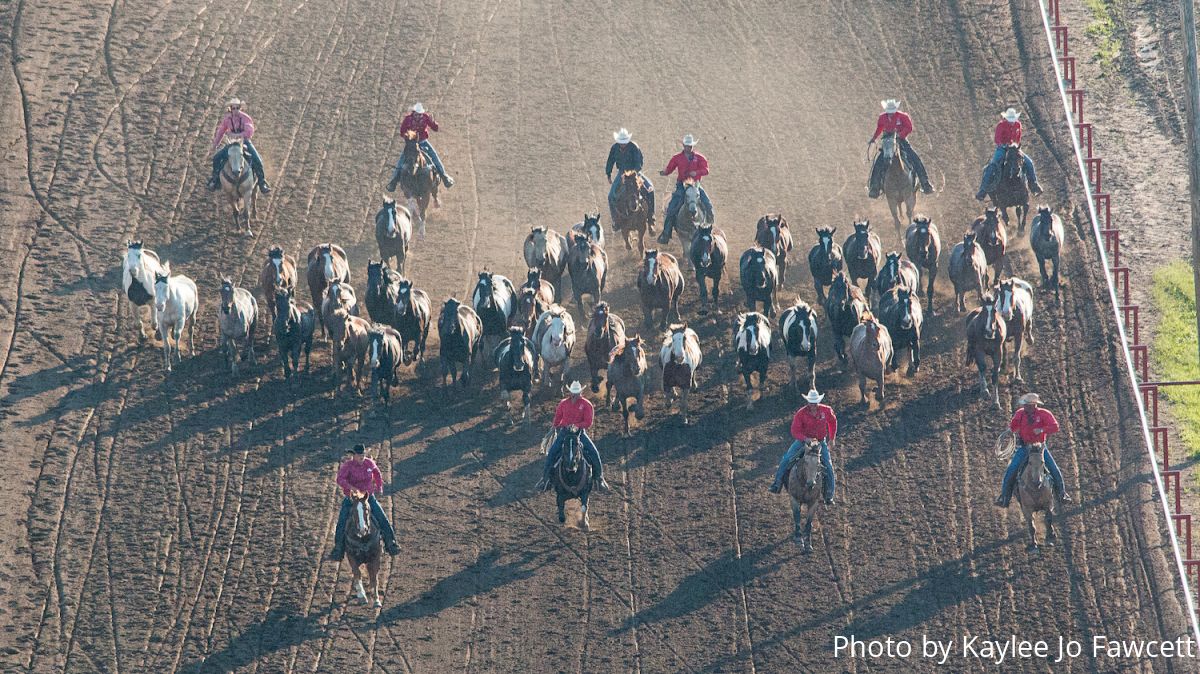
627, 157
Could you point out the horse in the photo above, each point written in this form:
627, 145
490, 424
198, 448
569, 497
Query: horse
659, 284
680, 356
923, 245
175, 304
1035, 493
493, 300
605, 332
992, 238
461, 333
824, 260
899, 182
626, 374
514, 360
690, 216
238, 184
806, 486
1014, 302
752, 343
546, 251
870, 353
553, 340
353, 341
587, 264
709, 252
543, 288
295, 323
798, 328
364, 547
338, 295
897, 273
986, 333
381, 292
528, 306
862, 254
414, 313
760, 279
385, 354
417, 179
1009, 189
138, 272
968, 268
326, 264
631, 213
572, 476
900, 309
772, 233
393, 231
590, 227
844, 306
279, 272
237, 321
1046, 239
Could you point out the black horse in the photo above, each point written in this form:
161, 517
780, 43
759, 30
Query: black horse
572, 477
709, 252
824, 260
844, 307
295, 324
900, 310
798, 328
414, 313
461, 333
514, 359
386, 354
760, 279
752, 342
381, 293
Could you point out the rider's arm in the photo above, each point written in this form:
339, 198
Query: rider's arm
588, 413
612, 160
376, 479
1049, 423
904, 125
430, 123
701, 169
832, 425
637, 159
343, 478
671, 165
222, 129
247, 126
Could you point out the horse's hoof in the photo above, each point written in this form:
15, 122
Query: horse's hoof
378, 604
1032, 547
807, 549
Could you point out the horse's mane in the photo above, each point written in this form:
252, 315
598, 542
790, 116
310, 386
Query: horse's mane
866, 317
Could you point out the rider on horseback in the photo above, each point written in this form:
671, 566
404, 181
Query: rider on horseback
1008, 132
813, 421
691, 164
574, 413
1031, 424
359, 473
626, 156
422, 123
236, 124
891, 120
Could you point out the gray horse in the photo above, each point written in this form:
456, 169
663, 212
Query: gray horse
806, 484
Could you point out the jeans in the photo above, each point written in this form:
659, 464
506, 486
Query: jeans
1010, 476
826, 463
590, 454
432, 155
256, 165
647, 194
676, 203
381, 520
990, 170
910, 156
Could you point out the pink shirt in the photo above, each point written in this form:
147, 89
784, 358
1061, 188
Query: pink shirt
362, 475
234, 123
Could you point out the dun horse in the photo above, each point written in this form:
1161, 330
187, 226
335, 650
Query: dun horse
798, 327
659, 283
824, 260
588, 266
353, 343
680, 356
806, 486
546, 251
238, 184
631, 213
760, 279
278, 273
870, 353
752, 343
364, 547
863, 253
772, 233
627, 374
605, 332
1046, 240
461, 333
709, 252
923, 245
1035, 493
138, 272
175, 304
986, 332
393, 231
968, 268
237, 320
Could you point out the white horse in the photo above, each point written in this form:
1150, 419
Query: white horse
238, 184
175, 301
137, 280
237, 319
554, 337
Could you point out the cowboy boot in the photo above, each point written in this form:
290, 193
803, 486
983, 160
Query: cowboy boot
447, 180
262, 182
338, 553
391, 548
214, 182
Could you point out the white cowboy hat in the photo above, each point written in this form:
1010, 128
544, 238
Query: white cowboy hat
689, 140
813, 397
1010, 114
418, 108
622, 136
233, 101
1029, 398
575, 388
890, 105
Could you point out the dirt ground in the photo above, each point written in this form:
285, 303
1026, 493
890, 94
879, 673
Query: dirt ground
179, 523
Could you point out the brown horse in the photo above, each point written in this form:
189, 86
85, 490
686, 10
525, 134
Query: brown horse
986, 332
364, 547
772, 233
660, 283
327, 263
606, 331
626, 374
1009, 189
844, 307
587, 264
1035, 493
680, 356
546, 250
338, 295
923, 245
968, 268
863, 252
993, 239
418, 180
277, 274
631, 213
899, 182
871, 354
527, 306
806, 485
351, 336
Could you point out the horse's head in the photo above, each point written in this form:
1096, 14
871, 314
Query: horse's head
839, 289
892, 264
633, 351
812, 462
591, 225
702, 246
749, 335
485, 290
581, 245
448, 322
1037, 461
1004, 298
533, 278
1012, 160
363, 523
226, 295
921, 232
557, 329
969, 243
375, 339
991, 317
325, 254
991, 224
539, 237
691, 199
600, 318
388, 214
572, 457
527, 301
283, 305
873, 328
754, 267
887, 146
162, 286
1046, 218
518, 355
678, 337
825, 240
862, 234
650, 264
374, 274
802, 322
904, 303
236, 159
404, 299
133, 254
768, 228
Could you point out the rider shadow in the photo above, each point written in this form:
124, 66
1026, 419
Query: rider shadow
76, 369
111, 278
452, 452
279, 630
488, 573
904, 432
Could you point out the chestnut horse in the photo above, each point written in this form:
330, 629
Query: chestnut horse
626, 374
986, 333
680, 356
327, 263
659, 283
772, 233
631, 212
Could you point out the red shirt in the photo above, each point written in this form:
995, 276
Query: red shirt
361, 475
422, 126
573, 413
696, 167
1008, 133
898, 123
1034, 427
819, 425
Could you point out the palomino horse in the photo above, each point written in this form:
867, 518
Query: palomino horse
352, 343
680, 356
870, 353
384, 354
493, 300
798, 328
137, 280
278, 273
844, 306
631, 212
295, 323
899, 182
414, 313
553, 340
806, 485
992, 238
417, 179
572, 476
659, 284
897, 273
590, 227
237, 320
627, 374
968, 268
546, 251
326, 264
986, 332
461, 333
760, 279
381, 292
238, 184
1014, 301
605, 332
393, 231
752, 342
1046, 240
514, 360
364, 547
175, 304
923, 245
900, 309
709, 252
824, 260
772, 233
588, 265
1009, 189
1035, 493
863, 253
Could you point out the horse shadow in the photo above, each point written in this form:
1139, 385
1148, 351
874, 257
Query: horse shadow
486, 574
279, 630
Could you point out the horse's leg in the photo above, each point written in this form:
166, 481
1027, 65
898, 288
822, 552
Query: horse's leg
373, 570
1051, 535
1028, 512
792, 371
929, 291
883, 381
808, 520
862, 388
562, 515
796, 517
749, 390
812, 369
1018, 347
583, 509
996, 381
683, 403
166, 338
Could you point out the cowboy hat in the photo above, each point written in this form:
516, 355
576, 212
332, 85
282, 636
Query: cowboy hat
575, 388
1010, 114
418, 108
813, 397
1030, 398
358, 449
234, 101
622, 136
689, 140
890, 105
